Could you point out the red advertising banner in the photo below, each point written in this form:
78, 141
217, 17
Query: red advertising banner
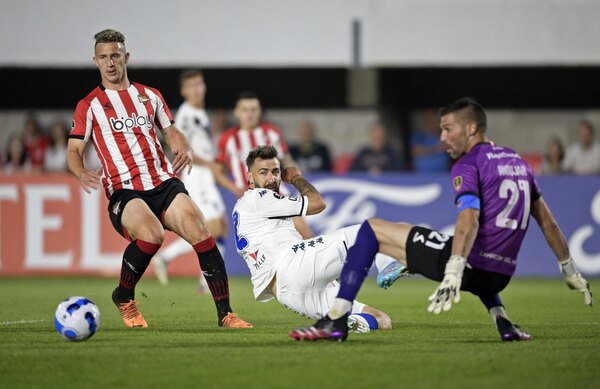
50, 226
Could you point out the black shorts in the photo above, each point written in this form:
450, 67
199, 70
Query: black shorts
427, 252
158, 199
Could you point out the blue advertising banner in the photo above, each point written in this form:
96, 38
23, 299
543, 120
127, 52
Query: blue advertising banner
428, 200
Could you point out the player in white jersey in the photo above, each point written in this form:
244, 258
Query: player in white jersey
235, 144
300, 274
193, 122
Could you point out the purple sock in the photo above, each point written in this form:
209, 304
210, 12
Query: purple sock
491, 301
358, 262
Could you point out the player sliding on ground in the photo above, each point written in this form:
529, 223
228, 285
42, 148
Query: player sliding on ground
495, 193
145, 196
300, 274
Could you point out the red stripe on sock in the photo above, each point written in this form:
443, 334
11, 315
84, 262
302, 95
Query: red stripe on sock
205, 245
147, 247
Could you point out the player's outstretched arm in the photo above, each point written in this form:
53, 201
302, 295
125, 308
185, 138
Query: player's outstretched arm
556, 240
448, 292
316, 202
180, 147
88, 179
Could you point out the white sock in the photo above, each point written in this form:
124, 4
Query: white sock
174, 250
339, 308
498, 311
382, 260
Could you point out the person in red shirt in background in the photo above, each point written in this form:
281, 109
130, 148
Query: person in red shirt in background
36, 143
236, 143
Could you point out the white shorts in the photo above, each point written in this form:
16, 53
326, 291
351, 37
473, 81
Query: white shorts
307, 278
202, 188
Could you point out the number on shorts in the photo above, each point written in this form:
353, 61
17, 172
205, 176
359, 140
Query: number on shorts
435, 240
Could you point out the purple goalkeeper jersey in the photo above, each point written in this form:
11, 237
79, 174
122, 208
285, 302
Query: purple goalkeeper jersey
506, 187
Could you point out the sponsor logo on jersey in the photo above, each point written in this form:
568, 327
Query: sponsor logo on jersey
457, 182
128, 124
253, 255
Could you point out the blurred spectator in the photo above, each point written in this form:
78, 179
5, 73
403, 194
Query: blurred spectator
35, 144
428, 153
553, 157
310, 155
219, 124
583, 157
16, 156
378, 156
56, 153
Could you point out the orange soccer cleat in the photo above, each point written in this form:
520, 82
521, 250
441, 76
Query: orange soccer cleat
131, 315
233, 321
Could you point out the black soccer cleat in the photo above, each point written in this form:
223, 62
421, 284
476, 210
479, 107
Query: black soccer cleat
510, 332
324, 328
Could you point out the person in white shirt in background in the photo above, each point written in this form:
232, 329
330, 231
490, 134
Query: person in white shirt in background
56, 154
193, 122
583, 157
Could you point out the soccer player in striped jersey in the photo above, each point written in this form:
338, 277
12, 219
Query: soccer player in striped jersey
237, 142
192, 120
145, 197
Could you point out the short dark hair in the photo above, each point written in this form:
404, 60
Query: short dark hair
109, 36
262, 152
190, 73
246, 95
468, 110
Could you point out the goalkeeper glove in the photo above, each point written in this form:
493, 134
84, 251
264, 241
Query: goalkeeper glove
575, 281
449, 290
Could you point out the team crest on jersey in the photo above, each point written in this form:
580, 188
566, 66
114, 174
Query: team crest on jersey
143, 98
457, 182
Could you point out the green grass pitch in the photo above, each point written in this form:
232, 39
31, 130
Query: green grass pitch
184, 347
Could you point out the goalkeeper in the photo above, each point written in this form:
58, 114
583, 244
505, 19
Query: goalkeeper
496, 192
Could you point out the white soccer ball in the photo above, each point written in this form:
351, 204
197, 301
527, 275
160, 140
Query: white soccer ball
77, 318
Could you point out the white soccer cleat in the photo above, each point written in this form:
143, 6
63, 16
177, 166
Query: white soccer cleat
160, 269
358, 324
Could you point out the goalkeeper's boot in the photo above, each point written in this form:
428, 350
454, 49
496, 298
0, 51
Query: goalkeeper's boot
389, 274
325, 328
510, 332
233, 321
131, 315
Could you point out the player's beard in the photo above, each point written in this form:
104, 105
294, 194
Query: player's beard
273, 186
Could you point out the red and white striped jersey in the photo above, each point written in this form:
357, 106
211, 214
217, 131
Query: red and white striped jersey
235, 145
121, 125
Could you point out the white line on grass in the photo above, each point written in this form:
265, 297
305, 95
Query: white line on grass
9, 323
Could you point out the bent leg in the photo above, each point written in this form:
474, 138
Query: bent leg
147, 235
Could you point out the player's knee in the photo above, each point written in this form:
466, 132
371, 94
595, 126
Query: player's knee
152, 235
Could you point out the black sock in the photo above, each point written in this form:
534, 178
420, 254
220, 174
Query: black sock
136, 259
213, 269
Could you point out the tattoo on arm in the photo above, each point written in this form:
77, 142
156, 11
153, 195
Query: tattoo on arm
304, 187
